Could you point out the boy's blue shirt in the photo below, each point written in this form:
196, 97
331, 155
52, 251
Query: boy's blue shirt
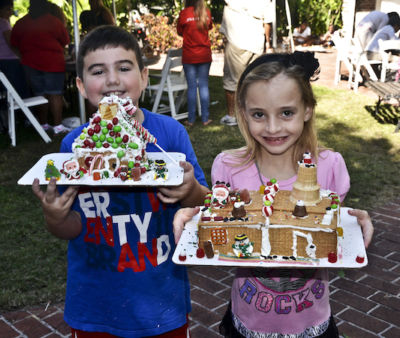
121, 278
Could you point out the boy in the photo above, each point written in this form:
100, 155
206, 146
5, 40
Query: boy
121, 279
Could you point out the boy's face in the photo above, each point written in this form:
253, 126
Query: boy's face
111, 71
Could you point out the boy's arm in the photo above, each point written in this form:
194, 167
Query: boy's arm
61, 221
190, 193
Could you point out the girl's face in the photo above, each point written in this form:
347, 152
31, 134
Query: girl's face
275, 114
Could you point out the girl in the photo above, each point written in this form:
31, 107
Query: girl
275, 113
193, 24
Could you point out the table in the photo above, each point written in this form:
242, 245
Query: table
385, 92
150, 61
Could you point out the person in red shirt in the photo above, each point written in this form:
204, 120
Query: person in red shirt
193, 25
40, 37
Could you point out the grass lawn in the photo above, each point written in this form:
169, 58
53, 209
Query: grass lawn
33, 263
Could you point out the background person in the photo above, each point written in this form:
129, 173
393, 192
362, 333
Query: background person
370, 24
193, 25
9, 56
41, 38
302, 35
245, 25
98, 15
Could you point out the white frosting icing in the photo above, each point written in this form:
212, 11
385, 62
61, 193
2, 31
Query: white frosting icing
310, 248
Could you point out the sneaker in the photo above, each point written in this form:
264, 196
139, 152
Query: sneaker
61, 129
228, 120
47, 127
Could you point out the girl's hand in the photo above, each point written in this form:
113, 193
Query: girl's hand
365, 222
181, 218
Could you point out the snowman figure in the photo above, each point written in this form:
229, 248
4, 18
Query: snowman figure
242, 248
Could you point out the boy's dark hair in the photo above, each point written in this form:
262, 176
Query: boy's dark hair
107, 37
393, 15
394, 21
4, 3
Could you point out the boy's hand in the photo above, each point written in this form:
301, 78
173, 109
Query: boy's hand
56, 207
365, 222
189, 193
181, 218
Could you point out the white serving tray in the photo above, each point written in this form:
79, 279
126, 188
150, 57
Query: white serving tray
175, 172
352, 244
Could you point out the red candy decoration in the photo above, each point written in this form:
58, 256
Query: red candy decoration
332, 258
86, 143
182, 256
88, 161
125, 139
106, 145
206, 219
137, 164
110, 126
138, 158
360, 258
97, 119
92, 145
218, 218
118, 135
115, 121
112, 133
142, 170
90, 132
97, 128
200, 253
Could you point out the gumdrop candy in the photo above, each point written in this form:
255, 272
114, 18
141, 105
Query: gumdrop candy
332, 258
96, 176
200, 253
340, 231
182, 256
360, 258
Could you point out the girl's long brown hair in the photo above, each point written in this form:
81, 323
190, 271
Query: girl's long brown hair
200, 13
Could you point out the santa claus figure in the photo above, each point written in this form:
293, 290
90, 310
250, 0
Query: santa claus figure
220, 194
72, 170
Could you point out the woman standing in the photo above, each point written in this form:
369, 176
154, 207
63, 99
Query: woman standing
193, 25
40, 38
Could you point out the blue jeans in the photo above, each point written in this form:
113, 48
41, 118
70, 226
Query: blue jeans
197, 75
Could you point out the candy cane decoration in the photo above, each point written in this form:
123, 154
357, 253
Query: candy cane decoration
268, 197
147, 136
267, 211
94, 161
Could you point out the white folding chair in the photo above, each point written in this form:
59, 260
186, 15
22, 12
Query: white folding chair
174, 85
15, 102
360, 59
344, 54
385, 48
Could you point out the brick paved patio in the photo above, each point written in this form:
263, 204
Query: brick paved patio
365, 303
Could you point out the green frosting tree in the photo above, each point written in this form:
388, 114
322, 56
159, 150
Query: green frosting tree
51, 171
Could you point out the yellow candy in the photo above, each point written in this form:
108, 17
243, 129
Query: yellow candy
262, 188
340, 231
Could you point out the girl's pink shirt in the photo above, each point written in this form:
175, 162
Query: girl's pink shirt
286, 301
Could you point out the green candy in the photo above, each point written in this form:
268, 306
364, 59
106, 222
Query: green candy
114, 145
118, 140
123, 146
133, 145
120, 154
105, 174
99, 144
102, 138
273, 180
82, 137
78, 146
95, 138
267, 203
207, 201
110, 139
103, 123
84, 130
131, 164
334, 206
105, 131
117, 129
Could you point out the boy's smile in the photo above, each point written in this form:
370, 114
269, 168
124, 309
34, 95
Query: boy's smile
112, 71
276, 114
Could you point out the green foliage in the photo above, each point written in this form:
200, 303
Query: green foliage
319, 14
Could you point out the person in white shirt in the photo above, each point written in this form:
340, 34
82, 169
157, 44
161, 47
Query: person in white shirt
246, 25
302, 35
370, 24
387, 32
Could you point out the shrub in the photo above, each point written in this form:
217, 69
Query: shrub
162, 35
